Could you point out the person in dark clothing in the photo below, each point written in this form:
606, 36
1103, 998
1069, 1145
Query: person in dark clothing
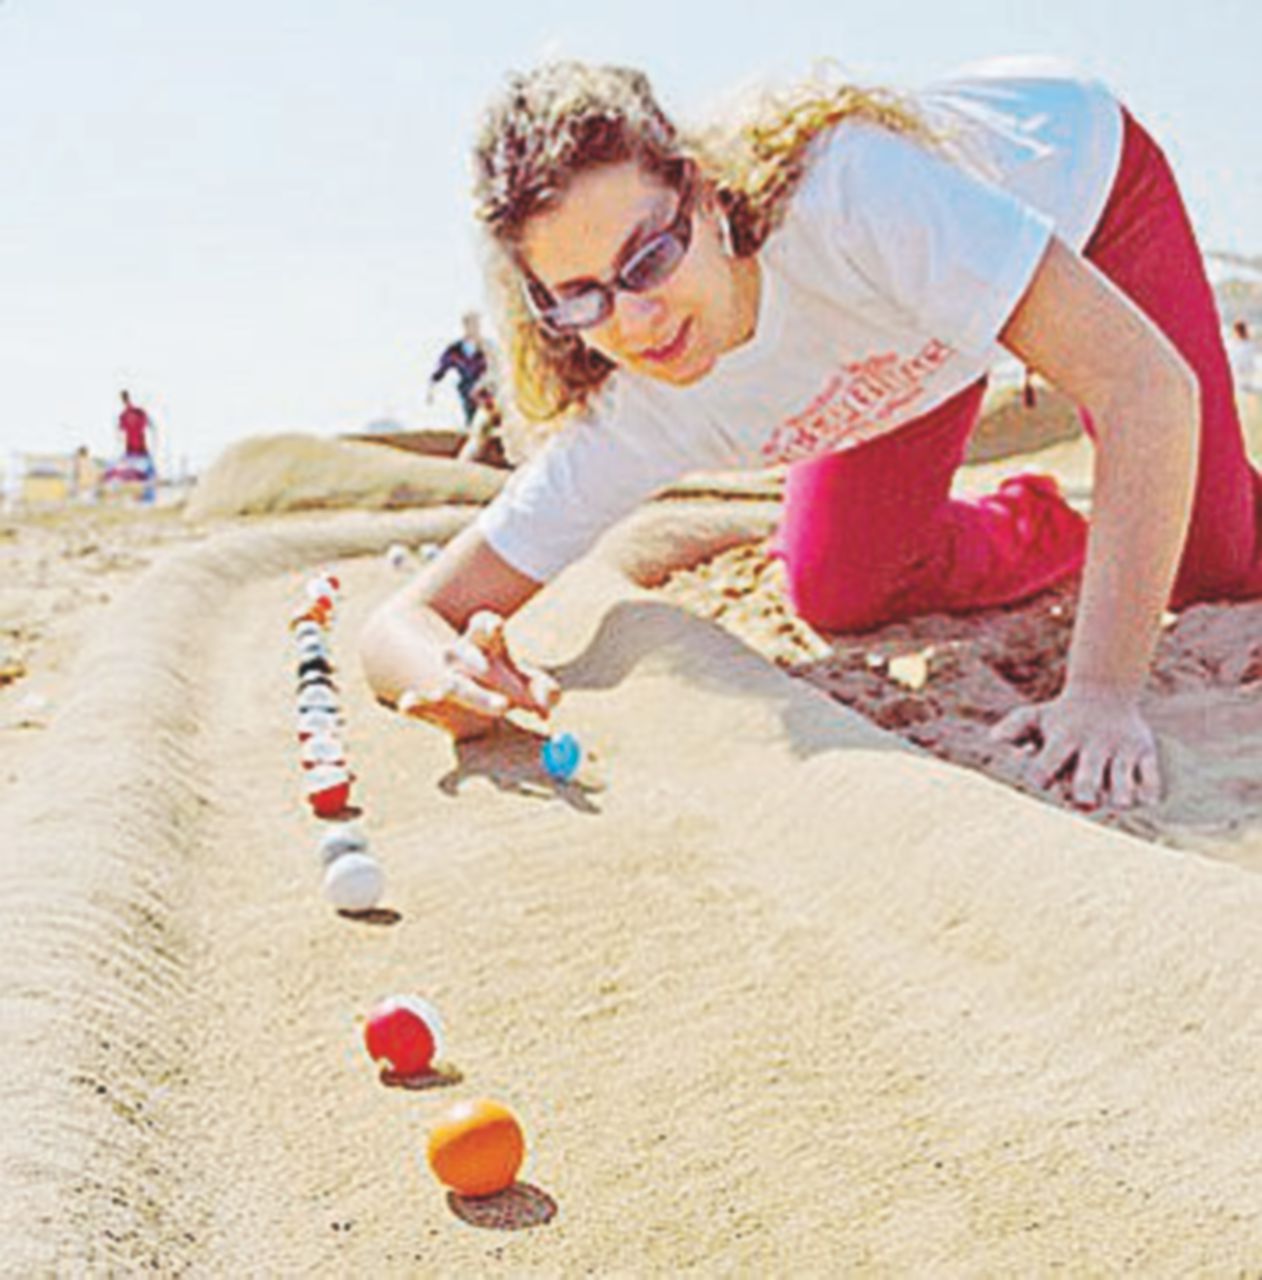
468, 357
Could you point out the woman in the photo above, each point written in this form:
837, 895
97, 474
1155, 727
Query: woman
827, 287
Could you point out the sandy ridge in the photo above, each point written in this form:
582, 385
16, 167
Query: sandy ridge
785, 993
108, 817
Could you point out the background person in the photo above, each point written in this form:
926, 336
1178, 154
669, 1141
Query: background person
85, 475
469, 358
135, 427
473, 361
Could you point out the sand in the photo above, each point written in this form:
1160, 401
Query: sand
293, 472
940, 682
774, 985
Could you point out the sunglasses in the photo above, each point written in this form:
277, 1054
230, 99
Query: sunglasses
583, 304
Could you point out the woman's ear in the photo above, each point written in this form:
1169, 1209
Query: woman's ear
725, 229
712, 208
716, 207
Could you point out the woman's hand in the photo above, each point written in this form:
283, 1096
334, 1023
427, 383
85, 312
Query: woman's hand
1099, 736
472, 681
435, 648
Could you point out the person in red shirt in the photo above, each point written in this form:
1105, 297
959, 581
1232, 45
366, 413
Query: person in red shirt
136, 464
134, 426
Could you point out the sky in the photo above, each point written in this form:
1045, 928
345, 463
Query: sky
255, 214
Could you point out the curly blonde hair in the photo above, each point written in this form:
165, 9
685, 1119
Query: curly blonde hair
565, 118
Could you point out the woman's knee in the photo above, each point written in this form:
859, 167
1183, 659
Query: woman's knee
838, 597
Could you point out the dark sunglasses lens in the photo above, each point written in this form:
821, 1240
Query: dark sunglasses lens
579, 310
654, 263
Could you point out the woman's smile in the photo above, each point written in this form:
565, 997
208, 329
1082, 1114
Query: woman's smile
669, 351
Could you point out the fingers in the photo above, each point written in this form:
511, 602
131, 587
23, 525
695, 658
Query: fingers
467, 653
1046, 766
468, 693
534, 687
1148, 772
1134, 778
1101, 776
1017, 726
458, 689
544, 689
418, 702
1088, 785
486, 630
1123, 780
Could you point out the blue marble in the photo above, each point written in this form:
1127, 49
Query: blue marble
561, 755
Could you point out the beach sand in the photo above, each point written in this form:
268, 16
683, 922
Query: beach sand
792, 977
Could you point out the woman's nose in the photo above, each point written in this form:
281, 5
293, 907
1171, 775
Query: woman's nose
639, 314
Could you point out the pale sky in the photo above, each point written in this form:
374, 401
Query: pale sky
255, 214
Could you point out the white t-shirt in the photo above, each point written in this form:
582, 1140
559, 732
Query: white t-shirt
883, 293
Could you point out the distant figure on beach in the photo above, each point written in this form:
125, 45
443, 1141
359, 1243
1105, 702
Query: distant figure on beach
134, 425
136, 464
84, 475
1242, 353
469, 358
473, 361
826, 281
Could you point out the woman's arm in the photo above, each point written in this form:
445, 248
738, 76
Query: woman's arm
1088, 339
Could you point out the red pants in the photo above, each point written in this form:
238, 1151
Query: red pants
869, 535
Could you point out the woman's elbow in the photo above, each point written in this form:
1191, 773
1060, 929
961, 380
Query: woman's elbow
1185, 392
1184, 384
1163, 390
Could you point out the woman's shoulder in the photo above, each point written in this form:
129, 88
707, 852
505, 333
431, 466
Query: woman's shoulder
852, 162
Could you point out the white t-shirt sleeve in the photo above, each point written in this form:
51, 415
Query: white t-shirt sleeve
947, 249
584, 480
